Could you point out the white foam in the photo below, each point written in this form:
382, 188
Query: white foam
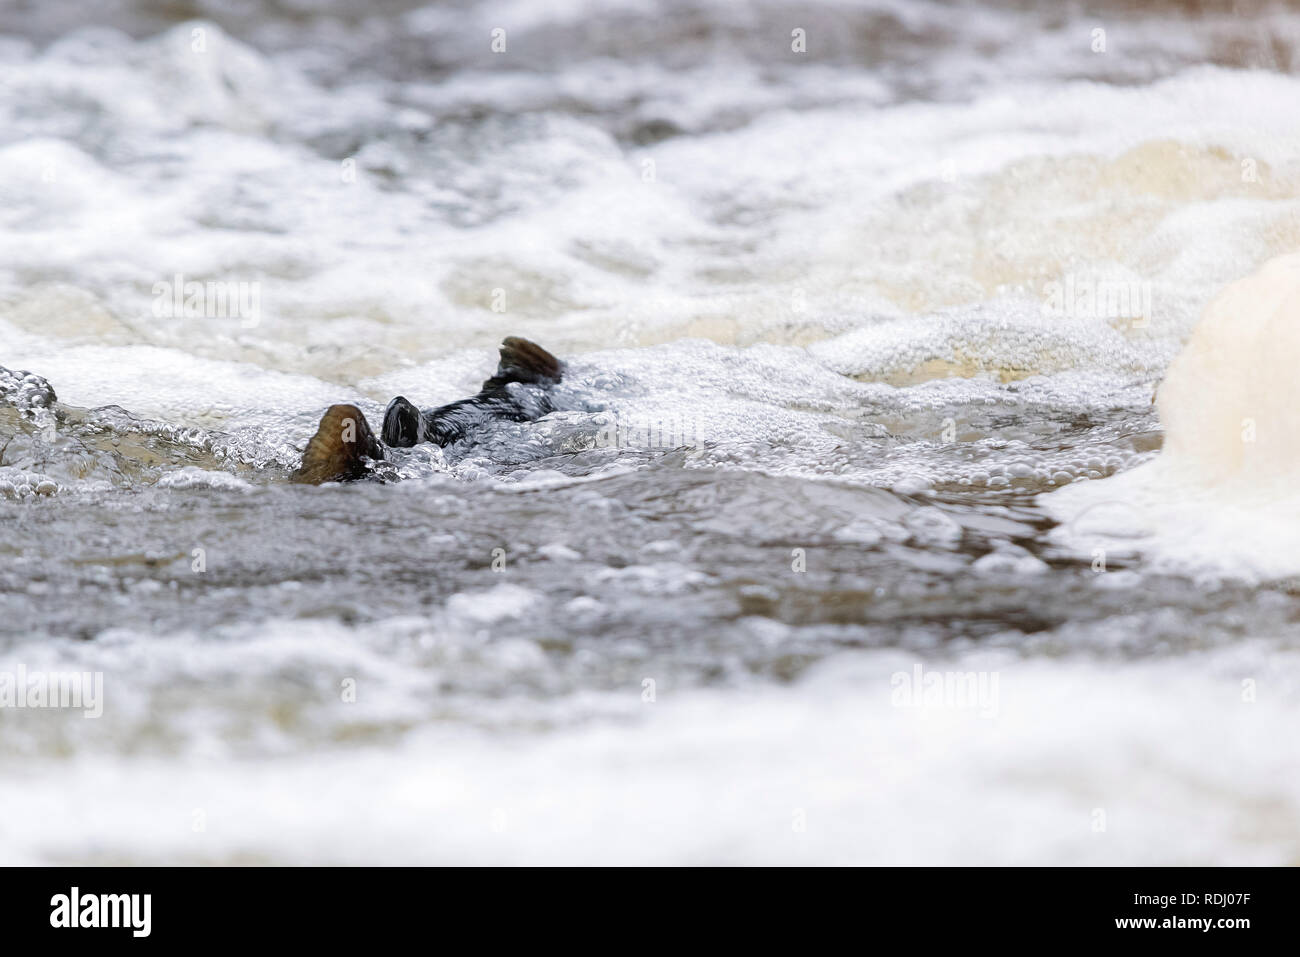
1079, 763
1223, 494
741, 235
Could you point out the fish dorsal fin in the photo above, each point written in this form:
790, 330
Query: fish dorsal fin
338, 450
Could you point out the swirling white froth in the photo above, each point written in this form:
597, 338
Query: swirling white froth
833, 321
1224, 493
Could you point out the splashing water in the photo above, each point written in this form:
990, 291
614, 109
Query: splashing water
862, 343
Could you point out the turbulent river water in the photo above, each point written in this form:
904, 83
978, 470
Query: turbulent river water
865, 307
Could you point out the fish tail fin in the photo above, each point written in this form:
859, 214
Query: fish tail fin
338, 450
525, 361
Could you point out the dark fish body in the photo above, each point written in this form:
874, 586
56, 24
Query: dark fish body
344, 442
